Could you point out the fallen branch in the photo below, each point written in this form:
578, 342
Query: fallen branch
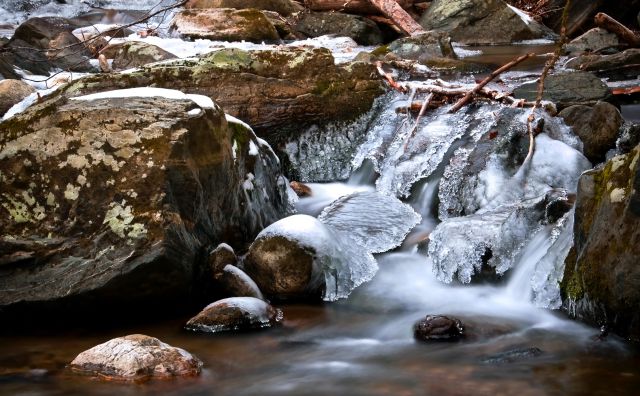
423, 108
389, 78
399, 16
625, 91
360, 7
469, 95
625, 34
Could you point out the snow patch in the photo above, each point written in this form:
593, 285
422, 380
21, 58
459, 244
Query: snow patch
145, 92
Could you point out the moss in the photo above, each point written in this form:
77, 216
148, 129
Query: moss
229, 59
381, 51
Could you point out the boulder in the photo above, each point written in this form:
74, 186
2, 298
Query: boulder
110, 201
362, 30
594, 40
219, 257
233, 314
601, 283
12, 92
598, 127
482, 22
620, 66
226, 24
278, 92
135, 54
282, 7
566, 89
423, 47
41, 44
234, 282
136, 357
438, 328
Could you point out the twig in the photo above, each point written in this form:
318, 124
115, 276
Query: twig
467, 98
389, 78
413, 130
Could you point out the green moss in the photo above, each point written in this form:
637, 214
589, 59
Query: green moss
381, 51
230, 59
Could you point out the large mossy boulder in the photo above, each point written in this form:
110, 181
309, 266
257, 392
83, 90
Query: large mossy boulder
282, 7
482, 22
113, 202
226, 24
276, 91
601, 283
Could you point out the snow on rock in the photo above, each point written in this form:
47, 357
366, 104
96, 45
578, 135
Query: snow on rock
235, 313
203, 101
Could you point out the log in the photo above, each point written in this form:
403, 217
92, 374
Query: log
467, 98
625, 34
360, 7
399, 16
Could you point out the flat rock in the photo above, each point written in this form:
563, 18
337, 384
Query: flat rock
282, 7
565, 89
593, 40
226, 24
233, 314
136, 357
362, 30
623, 65
12, 92
135, 54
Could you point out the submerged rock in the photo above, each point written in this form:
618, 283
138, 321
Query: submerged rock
482, 22
565, 89
233, 314
12, 92
438, 328
362, 30
115, 197
225, 24
136, 357
598, 127
513, 355
601, 283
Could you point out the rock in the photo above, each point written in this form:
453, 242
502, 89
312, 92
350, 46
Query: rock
580, 13
362, 30
40, 44
282, 7
620, 66
219, 257
233, 314
135, 54
558, 202
234, 282
423, 47
565, 89
629, 137
594, 40
116, 199
438, 328
301, 189
482, 22
597, 127
278, 92
601, 283
136, 357
226, 24
12, 92
513, 355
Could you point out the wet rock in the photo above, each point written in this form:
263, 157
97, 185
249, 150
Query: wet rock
598, 127
422, 47
234, 282
278, 92
558, 202
438, 328
301, 189
41, 44
620, 66
482, 22
282, 7
12, 92
594, 40
362, 30
117, 198
219, 257
513, 355
233, 314
136, 357
226, 24
601, 283
565, 89
629, 137
135, 54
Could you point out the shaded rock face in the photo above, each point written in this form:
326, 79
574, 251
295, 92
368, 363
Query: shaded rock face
565, 89
233, 314
118, 199
136, 357
225, 24
423, 47
12, 92
135, 54
40, 44
623, 65
598, 127
362, 30
601, 283
594, 40
438, 328
481, 22
282, 7
277, 92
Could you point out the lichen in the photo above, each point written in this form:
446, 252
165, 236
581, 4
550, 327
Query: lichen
119, 218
